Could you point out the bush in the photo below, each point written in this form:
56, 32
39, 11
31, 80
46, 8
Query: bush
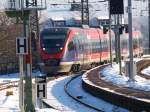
8, 93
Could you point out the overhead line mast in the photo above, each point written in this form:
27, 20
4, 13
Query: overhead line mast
84, 12
27, 11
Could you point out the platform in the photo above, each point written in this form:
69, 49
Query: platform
129, 98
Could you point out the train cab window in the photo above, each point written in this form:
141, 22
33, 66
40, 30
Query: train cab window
71, 46
135, 43
123, 44
101, 45
104, 45
53, 43
140, 41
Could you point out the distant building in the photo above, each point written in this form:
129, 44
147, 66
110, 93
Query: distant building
58, 21
102, 21
77, 21
75, 7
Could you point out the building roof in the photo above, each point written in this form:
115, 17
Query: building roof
102, 17
58, 19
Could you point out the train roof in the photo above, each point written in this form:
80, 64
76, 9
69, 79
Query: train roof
54, 30
66, 30
59, 29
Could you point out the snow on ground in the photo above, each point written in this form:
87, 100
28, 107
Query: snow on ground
77, 90
9, 103
112, 74
146, 71
9, 77
59, 99
47, 110
15, 76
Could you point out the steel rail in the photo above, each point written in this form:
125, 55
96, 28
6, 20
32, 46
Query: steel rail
76, 99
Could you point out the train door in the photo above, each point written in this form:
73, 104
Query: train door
99, 46
84, 49
76, 42
73, 49
71, 55
87, 49
80, 49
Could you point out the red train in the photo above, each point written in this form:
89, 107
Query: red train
72, 49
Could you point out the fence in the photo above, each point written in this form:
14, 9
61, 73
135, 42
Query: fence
11, 67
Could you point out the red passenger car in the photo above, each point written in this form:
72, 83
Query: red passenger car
72, 49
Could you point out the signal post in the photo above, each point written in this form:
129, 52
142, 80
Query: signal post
116, 8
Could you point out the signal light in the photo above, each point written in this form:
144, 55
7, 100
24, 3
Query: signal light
27, 3
116, 7
121, 30
126, 28
105, 30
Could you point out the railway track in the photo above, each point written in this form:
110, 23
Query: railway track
78, 98
7, 85
15, 84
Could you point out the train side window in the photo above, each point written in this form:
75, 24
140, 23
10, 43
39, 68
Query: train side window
103, 45
71, 46
135, 43
106, 44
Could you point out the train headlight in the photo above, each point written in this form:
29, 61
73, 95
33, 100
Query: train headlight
61, 48
43, 49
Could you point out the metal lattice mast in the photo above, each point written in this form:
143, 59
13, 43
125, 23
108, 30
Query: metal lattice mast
34, 29
85, 12
34, 21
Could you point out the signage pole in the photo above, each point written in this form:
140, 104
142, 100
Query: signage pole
149, 24
119, 49
21, 63
116, 40
21, 87
28, 79
27, 88
21, 50
131, 75
110, 46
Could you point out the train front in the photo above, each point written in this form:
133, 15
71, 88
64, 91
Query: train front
52, 50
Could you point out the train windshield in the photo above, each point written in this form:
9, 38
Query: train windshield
53, 43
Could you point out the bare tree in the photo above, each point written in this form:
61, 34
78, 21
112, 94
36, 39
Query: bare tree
8, 33
4, 20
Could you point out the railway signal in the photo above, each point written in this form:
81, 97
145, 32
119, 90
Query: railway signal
85, 12
116, 7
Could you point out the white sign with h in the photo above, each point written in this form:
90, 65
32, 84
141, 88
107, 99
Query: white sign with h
21, 45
